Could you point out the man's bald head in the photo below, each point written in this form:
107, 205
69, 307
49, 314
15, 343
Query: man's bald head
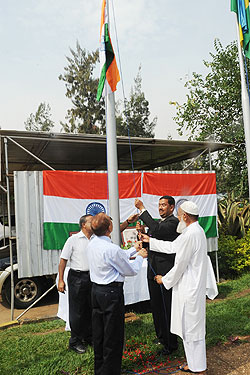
101, 224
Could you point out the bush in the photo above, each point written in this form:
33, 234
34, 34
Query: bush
234, 255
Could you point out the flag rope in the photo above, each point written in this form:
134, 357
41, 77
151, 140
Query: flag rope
124, 99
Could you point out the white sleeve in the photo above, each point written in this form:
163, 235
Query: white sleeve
160, 246
67, 249
184, 252
122, 264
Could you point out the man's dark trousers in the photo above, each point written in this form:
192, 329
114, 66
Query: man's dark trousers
160, 264
108, 323
80, 308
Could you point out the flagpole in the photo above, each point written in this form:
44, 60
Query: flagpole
245, 103
112, 165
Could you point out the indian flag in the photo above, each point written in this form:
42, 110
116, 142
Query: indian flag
109, 74
197, 187
241, 8
69, 195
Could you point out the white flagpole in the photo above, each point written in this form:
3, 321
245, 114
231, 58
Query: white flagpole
112, 165
245, 103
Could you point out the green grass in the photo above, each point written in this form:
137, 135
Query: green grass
41, 348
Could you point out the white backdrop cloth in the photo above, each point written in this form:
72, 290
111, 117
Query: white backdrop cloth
135, 290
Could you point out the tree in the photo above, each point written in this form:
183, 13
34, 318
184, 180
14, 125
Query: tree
87, 114
41, 120
136, 113
213, 111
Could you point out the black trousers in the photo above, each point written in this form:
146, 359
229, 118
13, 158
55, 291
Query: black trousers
80, 308
108, 324
160, 300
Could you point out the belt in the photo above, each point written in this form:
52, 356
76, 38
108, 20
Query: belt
113, 284
78, 272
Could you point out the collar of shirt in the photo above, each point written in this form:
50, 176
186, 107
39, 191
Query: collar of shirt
81, 234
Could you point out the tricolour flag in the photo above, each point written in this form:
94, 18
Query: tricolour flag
197, 187
109, 74
241, 8
69, 195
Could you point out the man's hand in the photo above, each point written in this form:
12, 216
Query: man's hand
145, 237
143, 253
138, 245
132, 218
139, 227
158, 279
139, 204
61, 286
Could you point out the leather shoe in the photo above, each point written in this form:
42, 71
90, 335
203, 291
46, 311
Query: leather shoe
78, 348
167, 351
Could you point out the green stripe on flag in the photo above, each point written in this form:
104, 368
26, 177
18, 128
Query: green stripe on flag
56, 234
208, 223
109, 54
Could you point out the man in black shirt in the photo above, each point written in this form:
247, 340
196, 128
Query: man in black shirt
159, 263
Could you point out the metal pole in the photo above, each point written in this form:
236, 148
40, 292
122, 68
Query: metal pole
34, 303
217, 267
112, 165
10, 235
210, 159
216, 251
245, 103
30, 153
113, 168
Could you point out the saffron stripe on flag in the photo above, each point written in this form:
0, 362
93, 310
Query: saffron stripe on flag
88, 185
179, 184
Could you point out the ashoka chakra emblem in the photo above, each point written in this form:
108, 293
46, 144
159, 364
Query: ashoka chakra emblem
95, 208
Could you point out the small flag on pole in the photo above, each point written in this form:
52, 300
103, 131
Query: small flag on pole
241, 8
109, 71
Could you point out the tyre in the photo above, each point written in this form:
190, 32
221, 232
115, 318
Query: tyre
26, 291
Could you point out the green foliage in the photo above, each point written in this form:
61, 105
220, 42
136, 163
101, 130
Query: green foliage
41, 120
213, 111
87, 114
136, 113
234, 255
233, 216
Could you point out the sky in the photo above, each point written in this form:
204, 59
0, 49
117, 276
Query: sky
169, 39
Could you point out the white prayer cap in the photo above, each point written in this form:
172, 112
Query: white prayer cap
190, 208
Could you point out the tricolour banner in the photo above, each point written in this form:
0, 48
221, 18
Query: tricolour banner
70, 195
197, 187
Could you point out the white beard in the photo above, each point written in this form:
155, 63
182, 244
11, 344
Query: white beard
181, 226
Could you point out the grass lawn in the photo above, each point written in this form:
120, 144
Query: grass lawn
41, 348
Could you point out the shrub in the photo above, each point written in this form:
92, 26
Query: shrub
234, 255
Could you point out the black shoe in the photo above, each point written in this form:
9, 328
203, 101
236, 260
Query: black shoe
87, 342
167, 351
157, 341
78, 348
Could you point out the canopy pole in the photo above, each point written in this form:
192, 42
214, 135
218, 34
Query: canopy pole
10, 234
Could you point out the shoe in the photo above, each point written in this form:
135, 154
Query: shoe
166, 351
87, 342
78, 348
157, 341
182, 368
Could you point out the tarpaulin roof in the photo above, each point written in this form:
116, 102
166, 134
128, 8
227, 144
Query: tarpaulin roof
88, 151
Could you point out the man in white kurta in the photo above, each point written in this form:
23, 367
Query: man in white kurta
188, 279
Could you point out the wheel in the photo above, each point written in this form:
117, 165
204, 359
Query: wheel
26, 291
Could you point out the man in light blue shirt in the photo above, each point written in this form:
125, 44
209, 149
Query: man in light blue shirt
109, 265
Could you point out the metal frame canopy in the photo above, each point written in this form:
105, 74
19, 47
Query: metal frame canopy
88, 152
